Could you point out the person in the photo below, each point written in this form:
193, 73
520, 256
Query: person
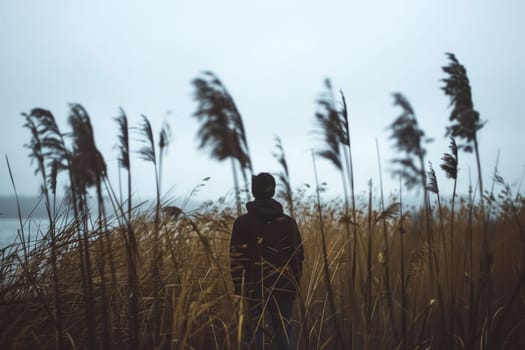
266, 262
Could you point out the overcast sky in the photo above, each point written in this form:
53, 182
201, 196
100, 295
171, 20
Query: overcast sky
273, 57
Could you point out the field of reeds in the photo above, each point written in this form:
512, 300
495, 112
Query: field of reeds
448, 273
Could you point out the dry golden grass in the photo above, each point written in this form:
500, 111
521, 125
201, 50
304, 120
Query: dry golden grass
199, 311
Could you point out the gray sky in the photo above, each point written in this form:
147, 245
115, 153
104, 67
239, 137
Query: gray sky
273, 57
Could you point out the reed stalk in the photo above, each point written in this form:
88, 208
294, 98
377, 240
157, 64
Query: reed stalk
331, 300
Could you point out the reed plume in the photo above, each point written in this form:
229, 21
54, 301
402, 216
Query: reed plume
408, 139
284, 187
330, 127
432, 184
123, 138
164, 142
464, 119
450, 161
450, 166
222, 129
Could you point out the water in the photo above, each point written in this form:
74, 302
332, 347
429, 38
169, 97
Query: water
9, 229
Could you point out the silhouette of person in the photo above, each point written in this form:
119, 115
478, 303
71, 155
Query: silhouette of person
266, 263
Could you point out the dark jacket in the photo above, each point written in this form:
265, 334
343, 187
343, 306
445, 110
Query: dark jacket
266, 250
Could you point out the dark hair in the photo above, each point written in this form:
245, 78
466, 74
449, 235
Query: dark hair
263, 186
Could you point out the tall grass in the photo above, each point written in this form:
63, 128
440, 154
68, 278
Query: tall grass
196, 295
129, 276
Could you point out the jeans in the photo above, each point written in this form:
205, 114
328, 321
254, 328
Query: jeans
279, 331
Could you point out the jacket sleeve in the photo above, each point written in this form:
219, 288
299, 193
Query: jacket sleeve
239, 257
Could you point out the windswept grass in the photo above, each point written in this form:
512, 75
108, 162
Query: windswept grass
198, 309
449, 274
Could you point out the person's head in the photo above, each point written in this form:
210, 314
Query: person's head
263, 186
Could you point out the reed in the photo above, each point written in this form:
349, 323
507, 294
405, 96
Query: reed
222, 129
37, 152
285, 191
128, 276
332, 125
130, 240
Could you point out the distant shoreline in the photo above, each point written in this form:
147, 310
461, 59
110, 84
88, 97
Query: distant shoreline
33, 206
30, 206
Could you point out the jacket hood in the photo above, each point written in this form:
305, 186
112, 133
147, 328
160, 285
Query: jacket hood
265, 208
